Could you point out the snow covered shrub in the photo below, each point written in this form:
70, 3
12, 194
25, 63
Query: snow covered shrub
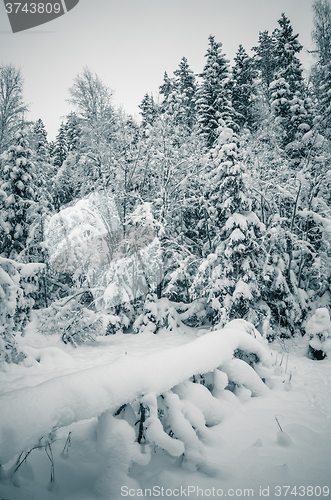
318, 330
193, 314
18, 282
74, 321
120, 318
157, 314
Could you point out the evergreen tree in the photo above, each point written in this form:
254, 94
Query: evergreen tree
288, 66
280, 99
41, 143
19, 192
229, 275
214, 95
166, 90
264, 59
60, 151
289, 103
179, 95
243, 91
148, 110
73, 132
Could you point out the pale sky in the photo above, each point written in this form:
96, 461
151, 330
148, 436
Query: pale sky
130, 43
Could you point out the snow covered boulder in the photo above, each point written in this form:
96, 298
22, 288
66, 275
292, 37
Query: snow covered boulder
318, 330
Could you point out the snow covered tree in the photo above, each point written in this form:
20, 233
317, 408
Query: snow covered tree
214, 95
91, 97
287, 45
166, 90
321, 36
185, 94
60, 151
325, 102
12, 106
229, 276
279, 285
322, 30
40, 137
243, 91
289, 103
321, 70
18, 187
93, 102
73, 132
264, 59
18, 282
179, 95
148, 110
280, 99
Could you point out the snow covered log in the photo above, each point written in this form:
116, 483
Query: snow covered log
32, 412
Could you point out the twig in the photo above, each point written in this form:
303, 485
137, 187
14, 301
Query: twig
278, 424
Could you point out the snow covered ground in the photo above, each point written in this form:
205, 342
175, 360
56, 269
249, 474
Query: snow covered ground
253, 440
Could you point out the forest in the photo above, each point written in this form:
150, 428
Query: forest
211, 210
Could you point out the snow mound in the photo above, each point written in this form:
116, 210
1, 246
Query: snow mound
319, 323
31, 412
318, 329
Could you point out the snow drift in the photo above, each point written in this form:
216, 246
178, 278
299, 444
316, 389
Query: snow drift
29, 413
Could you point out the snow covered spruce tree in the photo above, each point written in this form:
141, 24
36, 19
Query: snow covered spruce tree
148, 110
243, 91
264, 60
229, 275
214, 95
73, 132
42, 158
289, 102
179, 94
60, 151
19, 193
185, 94
68, 177
41, 146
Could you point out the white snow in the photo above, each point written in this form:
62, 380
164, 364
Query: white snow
88, 393
231, 439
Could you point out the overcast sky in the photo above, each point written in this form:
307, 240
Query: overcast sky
130, 43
